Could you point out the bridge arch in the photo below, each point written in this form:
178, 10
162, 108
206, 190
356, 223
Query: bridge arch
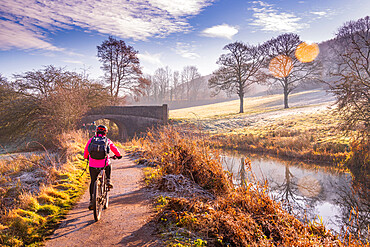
131, 120
122, 129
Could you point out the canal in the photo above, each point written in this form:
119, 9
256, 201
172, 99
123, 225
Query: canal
310, 192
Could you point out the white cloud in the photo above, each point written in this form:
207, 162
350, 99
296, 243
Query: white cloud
270, 19
150, 62
220, 31
134, 19
73, 54
153, 59
73, 61
186, 50
319, 13
263, 4
13, 35
180, 8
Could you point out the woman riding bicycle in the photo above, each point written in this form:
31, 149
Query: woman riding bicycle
96, 150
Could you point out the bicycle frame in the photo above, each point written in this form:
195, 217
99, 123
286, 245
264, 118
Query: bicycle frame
100, 194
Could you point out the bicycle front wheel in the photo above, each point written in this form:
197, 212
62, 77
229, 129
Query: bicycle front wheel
97, 197
106, 204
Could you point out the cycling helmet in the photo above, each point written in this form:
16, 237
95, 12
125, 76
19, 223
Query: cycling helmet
101, 129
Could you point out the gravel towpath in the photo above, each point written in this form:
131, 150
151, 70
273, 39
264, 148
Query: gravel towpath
125, 223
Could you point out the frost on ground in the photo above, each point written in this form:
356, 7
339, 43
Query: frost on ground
23, 173
262, 119
180, 186
317, 102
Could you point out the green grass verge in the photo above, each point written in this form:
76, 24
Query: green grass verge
38, 215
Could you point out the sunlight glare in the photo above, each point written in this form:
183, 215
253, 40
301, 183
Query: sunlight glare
307, 52
309, 186
280, 66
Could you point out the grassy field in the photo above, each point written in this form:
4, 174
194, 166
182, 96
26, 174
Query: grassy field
224, 109
307, 130
252, 105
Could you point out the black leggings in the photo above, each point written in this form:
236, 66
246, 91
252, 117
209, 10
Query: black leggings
94, 172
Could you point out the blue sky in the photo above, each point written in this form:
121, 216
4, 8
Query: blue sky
174, 33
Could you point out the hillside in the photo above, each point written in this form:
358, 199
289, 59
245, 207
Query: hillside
307, 130
254, 105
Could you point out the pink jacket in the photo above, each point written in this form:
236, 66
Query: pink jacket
100, 163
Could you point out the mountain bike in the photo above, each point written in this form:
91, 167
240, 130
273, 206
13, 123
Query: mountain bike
100, 197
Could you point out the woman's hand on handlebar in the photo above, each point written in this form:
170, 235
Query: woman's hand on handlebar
116, 157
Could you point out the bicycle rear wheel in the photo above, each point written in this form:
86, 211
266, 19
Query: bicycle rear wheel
97, 196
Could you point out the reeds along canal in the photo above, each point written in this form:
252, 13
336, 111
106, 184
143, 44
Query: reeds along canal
309, 191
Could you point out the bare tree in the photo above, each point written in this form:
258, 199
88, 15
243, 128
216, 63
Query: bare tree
162, 77
175, 88
188, 74
148, 90
352, 75
285, 69
121, 66
6, 91
238, 70
196, 85
49, 101
154, 89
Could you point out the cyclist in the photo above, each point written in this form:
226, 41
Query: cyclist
98, 157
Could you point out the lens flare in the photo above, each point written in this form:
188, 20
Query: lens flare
309, 186
307, 52
280, 66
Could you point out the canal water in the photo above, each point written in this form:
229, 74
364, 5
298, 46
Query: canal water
309, 191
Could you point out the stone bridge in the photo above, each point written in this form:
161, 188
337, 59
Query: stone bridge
131, 120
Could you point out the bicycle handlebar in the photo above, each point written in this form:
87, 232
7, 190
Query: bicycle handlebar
115, 157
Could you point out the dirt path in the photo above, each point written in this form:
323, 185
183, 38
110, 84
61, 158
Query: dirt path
125, 223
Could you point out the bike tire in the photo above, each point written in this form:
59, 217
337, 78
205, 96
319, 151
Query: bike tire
97, 206
106, 204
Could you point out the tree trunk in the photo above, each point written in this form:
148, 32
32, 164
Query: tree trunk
286, 98
241, 96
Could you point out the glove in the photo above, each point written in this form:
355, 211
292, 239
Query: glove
116, 157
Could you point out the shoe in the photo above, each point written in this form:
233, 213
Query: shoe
91, 206
109, 184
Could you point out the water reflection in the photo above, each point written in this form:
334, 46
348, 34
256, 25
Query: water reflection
307, 191
355, 208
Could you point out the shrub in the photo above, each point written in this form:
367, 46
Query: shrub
243, 216
191, 157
